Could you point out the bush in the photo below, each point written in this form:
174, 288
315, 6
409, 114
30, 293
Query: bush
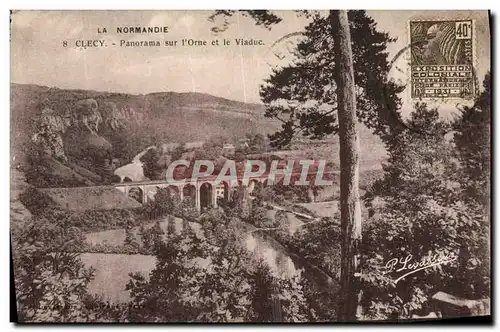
425, 211
104, 248
187, 210
151, 237
162, 205
116, 179
95, 221
36, 201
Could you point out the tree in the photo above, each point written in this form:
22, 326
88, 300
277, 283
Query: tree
233, 287
187, 210
473, 140
162, 204
50, 280
321, 93
261, 17
151, 165
350, 208
211, 150
256, 144
177, 153
130, 237
423, 209
151, 237
320, 244
116, 179
303, 95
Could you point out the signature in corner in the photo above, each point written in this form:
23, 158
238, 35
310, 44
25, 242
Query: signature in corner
406, 264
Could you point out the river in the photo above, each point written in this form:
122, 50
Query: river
112, 270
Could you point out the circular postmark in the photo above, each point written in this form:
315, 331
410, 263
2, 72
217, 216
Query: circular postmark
282, 51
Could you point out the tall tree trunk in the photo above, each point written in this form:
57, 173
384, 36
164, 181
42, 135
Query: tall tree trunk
350, 209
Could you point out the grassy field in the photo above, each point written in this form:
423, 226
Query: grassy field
116, 237
91, 198
112, 237
112, 273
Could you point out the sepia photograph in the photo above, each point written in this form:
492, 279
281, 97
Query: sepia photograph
250, 166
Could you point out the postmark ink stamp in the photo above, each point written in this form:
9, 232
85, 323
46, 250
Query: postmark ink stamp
442, 63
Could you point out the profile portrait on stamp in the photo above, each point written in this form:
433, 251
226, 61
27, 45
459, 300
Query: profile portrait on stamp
442, 59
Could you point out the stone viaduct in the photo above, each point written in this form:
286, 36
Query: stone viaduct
204, 191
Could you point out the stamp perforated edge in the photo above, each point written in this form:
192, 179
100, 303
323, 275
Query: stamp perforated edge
444, 100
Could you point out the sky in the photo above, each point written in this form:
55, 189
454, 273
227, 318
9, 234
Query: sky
234, 72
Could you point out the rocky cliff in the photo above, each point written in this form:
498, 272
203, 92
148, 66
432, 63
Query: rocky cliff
91, 133
75, 134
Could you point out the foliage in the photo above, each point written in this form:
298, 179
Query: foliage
95, 220
116, 179
43, 171
315, 246
170, 225
50, 281
141, 242
302, 95
473, 141
259, 217
255, 144
130, 238
319, 243
292, 194
212, 279
211, 149
41, 205
151, 237
151, 165
105, 248
422, 210
187, 210
178, 151
261, 17
162, 204
36, 201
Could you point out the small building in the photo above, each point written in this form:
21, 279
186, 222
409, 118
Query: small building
194, 145
243, 143
169, 147
220, 191
228, 149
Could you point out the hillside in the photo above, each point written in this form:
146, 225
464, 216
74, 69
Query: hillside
92, 198
18, 212
68, 138
180, 117
84, 134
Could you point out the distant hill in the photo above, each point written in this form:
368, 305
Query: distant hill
67, 138
178, 117
85, 130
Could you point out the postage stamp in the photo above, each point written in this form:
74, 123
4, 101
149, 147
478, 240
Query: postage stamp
442, 64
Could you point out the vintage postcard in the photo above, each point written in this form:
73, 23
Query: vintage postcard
224, 166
